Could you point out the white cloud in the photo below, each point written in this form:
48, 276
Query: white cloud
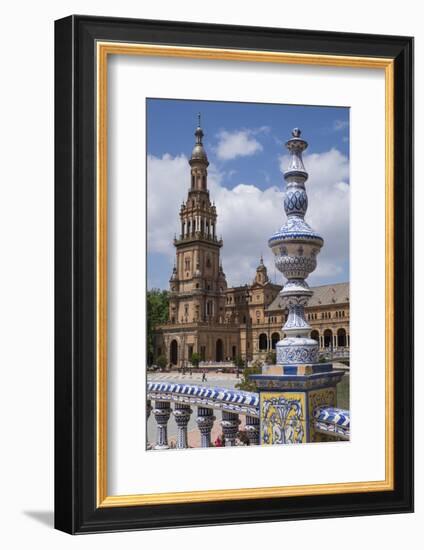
168, 179
240, 143
328, 211
340, 125
248, 216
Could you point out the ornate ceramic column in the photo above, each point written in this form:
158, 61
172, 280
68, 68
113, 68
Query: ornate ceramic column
205, 420
252, 429
292, 389
230, 423
182, 413
162, 412
296, 246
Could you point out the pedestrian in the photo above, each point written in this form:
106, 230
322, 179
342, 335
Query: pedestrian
218, 442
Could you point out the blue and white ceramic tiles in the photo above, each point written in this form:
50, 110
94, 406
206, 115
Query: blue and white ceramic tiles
295, 247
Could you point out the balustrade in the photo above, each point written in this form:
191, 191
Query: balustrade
252, 429
182, 413
162, 412
231, 403
230, 423
183, 396
205, 419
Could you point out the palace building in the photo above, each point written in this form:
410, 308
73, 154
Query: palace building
221, 323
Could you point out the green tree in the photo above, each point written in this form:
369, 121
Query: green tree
238, 362
195, 359
161, 361
157, 313
245, 383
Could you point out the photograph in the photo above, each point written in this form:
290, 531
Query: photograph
209, 286
248, 244
233, 270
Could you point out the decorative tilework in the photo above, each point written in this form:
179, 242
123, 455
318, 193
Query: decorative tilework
296, 201
282, 418
236, 401
295, 247
332, 421
292, 351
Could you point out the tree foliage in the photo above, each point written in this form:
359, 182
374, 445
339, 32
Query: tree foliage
157, 313
245, 383
161, 361
195, 359
238, 362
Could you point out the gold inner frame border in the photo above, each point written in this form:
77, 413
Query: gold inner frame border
103, 50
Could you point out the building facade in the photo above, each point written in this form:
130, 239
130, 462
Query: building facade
221, 323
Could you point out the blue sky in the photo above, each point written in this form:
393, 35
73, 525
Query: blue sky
245, 147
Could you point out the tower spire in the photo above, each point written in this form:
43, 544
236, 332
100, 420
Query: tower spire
198, 155
199, 161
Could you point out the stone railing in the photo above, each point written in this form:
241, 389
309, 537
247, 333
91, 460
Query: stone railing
181, 326
198, 235
231, 402
331, 421
215, 365
337, 353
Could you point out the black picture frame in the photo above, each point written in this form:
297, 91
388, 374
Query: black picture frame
76, 510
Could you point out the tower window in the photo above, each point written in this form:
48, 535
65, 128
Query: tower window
187, 264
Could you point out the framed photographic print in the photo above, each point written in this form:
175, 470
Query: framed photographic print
234, 285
